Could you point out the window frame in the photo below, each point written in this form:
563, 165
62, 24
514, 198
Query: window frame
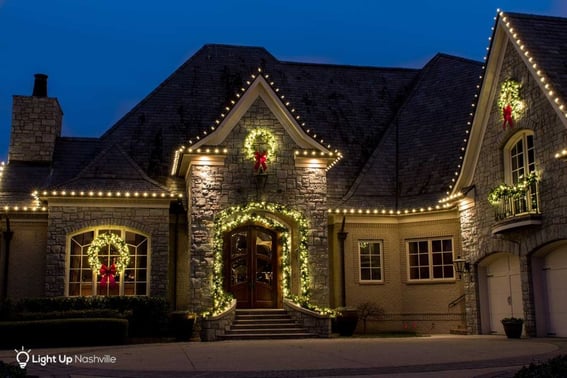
381, 259
430, 264
507, 152
95, 291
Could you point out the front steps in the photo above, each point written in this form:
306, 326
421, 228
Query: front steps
258, 324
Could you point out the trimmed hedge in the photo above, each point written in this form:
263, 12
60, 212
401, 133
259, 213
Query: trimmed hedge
147, 316
64, 332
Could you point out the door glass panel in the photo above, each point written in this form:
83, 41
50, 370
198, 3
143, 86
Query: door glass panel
264, 244
264, 271
239, 271
238, 243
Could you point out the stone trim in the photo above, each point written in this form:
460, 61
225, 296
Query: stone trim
312, 321
214, 327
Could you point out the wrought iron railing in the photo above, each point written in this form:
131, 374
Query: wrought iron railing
516, 205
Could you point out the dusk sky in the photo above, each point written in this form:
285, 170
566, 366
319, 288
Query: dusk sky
104, 56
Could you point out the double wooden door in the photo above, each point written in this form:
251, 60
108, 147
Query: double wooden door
250, 266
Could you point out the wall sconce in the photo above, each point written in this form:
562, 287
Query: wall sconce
461, 266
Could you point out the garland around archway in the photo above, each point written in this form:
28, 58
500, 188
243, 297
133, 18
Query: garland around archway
238, 215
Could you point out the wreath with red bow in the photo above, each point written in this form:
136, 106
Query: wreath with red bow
118, 263
260, 145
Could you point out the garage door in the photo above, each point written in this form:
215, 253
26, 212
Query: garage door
504, 290
555, 273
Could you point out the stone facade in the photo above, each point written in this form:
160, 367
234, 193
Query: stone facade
212, 189
65, 219
477, 222
36, 124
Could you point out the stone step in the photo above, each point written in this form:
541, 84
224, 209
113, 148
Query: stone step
255, 324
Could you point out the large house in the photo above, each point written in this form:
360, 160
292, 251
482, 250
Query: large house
435, 193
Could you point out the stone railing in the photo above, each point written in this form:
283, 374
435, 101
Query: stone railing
312, 321
214, 327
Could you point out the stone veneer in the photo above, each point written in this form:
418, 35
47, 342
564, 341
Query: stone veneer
36, 124
477, 222
64, 220
215, 188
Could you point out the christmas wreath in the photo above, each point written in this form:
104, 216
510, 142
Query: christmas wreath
121, 261
260, 146
510, 103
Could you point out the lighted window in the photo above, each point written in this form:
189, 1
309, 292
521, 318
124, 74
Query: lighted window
370, 259
430, 259
84, 281
519, 158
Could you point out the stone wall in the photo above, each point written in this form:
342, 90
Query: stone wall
66, 219
215, 188
550, 137
36, 123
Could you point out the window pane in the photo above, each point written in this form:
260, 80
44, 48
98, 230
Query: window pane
369, 260
437, 272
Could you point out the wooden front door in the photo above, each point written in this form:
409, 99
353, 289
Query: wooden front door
250, 266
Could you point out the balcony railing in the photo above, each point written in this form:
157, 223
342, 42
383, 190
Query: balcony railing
517, 205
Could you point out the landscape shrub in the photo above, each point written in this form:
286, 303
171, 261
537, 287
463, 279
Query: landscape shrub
147, 316
552, 368
64, 332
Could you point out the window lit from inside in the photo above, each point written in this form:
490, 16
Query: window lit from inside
431, 259
84, 281
370, 258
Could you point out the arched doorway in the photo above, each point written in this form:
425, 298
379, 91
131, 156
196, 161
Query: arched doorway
251, 266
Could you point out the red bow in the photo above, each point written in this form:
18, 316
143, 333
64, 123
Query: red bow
261, 158
507, 114
107, 275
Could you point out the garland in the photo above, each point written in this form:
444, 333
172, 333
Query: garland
260, 156
122, 260
512, 191
510, 102
238, 215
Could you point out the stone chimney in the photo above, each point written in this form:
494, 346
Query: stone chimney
36, 124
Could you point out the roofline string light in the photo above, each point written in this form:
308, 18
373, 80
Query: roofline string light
393, 212
228, 108
448, 200
532, 65
104, 194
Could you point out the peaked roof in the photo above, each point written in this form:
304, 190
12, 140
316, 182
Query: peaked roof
399, 130
541, 42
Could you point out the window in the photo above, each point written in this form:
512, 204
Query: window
370, 258
519, 155
430, 259
83, 281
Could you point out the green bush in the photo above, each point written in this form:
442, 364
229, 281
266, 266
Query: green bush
147, 316
552, 368
64, 332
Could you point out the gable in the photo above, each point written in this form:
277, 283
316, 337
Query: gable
258, 90
523, 36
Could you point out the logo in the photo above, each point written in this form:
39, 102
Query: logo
23, 357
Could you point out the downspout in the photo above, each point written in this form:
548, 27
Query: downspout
175, 254
7, 238
342, 235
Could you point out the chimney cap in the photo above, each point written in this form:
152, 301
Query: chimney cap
40, 85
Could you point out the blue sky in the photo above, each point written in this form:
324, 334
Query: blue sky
104, 56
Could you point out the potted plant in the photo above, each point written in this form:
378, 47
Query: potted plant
513, 327
181, 323
346, 321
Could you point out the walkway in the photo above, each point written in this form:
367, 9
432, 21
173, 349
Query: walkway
435, 356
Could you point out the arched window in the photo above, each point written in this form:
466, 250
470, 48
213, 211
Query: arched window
519, 157
519, 162
82, 280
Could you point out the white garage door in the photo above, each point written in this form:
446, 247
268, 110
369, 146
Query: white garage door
555, 273
504, 290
